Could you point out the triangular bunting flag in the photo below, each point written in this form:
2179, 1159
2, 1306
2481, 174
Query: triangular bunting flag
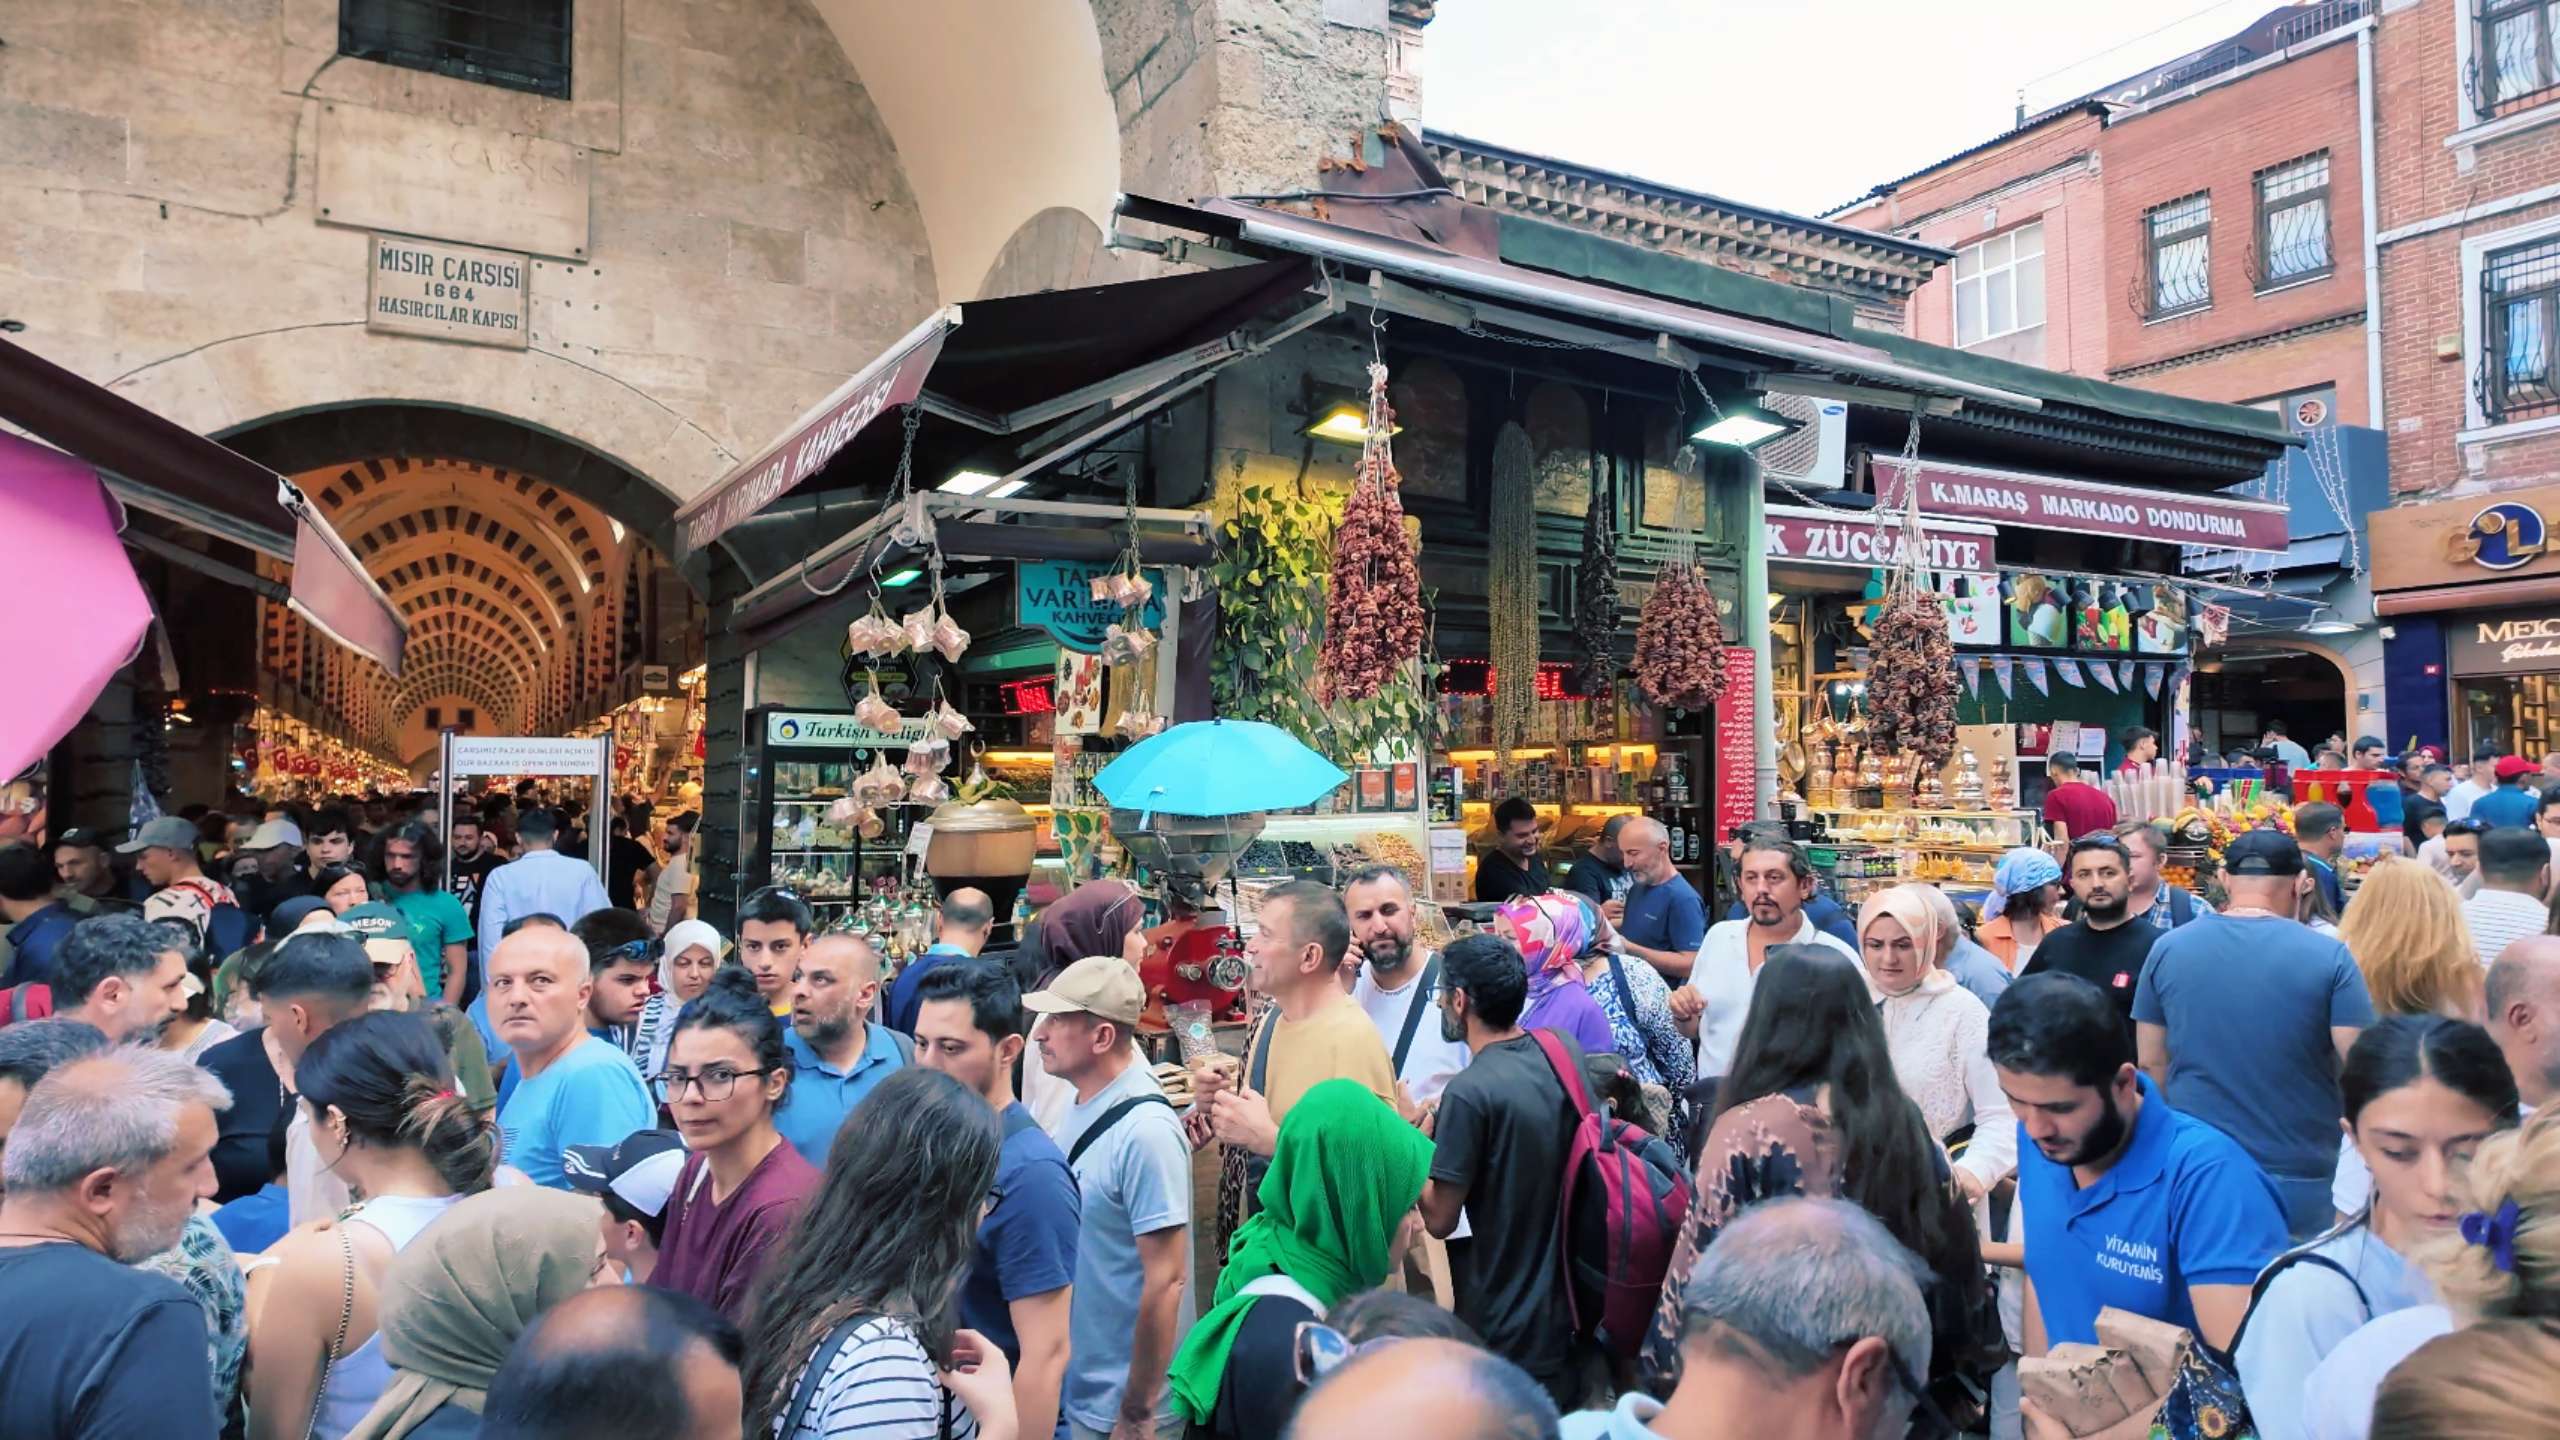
2124, 674
2004, 670
1972, 667
2069, 670
2151, 679
2036, 675
2105, 675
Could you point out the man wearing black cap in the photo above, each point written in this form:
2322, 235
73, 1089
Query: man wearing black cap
2242, 1020
633, 1179
88, 876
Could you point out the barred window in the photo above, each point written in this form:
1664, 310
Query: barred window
512, 44
2520, 290
2179, 235
2293, 221
2000, 285
2514, 65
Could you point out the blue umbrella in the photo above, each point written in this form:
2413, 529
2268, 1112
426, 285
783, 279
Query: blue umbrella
1218, 767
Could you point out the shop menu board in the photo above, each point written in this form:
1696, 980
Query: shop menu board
1737, 757
2035, 612
2161, 627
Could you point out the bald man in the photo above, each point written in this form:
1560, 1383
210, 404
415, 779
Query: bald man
572, 1088
1664, 922
1427, 1390
623, 1362
961, 929
2523, 992
838, 1052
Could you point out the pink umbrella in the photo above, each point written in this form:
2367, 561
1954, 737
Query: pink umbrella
76, 612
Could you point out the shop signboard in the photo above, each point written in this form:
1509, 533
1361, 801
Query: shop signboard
1737, 749
446, 292
2080, 507
1802, 536
806, 728
521, 755
2505, 642
2507, 535
1057, 596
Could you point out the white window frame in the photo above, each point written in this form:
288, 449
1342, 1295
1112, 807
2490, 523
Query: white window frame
1980, 279
2473, 126
2475, 258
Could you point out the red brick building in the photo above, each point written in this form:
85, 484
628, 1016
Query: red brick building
2201, 228
2469, 234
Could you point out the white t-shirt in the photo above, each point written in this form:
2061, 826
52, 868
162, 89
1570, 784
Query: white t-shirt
674, 878
1724, 975
1433, 1058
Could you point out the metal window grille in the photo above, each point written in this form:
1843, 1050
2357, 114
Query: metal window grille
512, 44
2180, 239
2293, 221
2520, 301
2516, 58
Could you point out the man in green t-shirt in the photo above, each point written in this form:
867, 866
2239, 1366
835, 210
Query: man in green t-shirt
410, 862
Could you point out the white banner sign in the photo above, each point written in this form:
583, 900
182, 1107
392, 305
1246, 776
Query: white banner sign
806, 727
524, 755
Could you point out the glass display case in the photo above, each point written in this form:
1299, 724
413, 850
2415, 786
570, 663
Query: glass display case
799, 764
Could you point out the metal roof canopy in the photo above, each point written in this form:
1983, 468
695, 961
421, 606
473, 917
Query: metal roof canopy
1009, 387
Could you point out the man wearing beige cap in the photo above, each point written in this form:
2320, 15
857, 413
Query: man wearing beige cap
1126, 1147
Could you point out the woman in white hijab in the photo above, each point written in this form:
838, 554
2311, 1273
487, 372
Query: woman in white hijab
691, 951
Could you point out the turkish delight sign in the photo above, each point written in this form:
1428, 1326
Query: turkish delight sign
1737, 750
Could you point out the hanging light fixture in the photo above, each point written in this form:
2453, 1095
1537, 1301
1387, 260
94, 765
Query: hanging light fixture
1743, 425
2333, 624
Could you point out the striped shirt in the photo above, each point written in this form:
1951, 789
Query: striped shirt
2498, 918
882, 1386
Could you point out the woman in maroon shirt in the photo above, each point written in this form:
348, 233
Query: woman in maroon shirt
741, 1188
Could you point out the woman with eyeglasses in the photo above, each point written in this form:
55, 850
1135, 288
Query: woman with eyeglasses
726, 1072
1343, 1181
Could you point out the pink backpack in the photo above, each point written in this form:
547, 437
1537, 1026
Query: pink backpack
1625, 1196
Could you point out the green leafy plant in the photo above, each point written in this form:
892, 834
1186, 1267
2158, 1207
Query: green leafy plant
1275, 554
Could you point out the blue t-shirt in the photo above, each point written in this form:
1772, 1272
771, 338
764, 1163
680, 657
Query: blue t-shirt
821, 1095
2506, 805
2182, 1206
2248, 1003
1667, 916
590, 1096
2306, 1310
1135, 1180
1027, 1243
906, 993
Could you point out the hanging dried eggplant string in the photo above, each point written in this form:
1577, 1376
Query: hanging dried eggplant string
1511, 590
1911, 674
1679, 641
1596, 616
1373, 601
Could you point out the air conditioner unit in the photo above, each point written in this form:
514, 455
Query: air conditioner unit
1815, 455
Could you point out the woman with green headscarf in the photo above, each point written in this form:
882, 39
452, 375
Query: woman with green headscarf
457, 1298
1345, 1174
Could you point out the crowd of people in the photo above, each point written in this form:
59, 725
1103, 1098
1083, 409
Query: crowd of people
296, 1143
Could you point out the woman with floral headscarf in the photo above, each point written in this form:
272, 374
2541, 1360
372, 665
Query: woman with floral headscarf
1939, 1037
1551, 932
2024, 906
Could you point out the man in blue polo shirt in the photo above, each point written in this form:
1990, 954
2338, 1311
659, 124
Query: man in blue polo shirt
838, 1052
2127, 1202
1662, 920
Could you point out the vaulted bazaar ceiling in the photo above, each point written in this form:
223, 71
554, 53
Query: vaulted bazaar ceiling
519, 597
